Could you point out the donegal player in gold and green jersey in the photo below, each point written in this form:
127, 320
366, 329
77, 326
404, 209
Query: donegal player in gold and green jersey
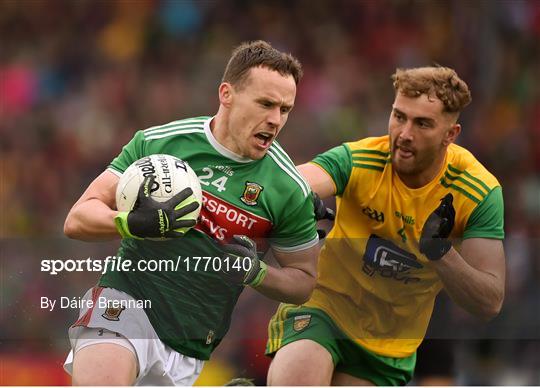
416, 213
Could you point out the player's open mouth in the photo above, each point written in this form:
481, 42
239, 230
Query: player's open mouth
405, 153
264, 139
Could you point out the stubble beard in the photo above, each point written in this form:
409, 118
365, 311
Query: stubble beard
414, 168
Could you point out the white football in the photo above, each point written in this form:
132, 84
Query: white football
172, 175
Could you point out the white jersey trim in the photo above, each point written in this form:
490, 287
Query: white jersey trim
177, 125
219, 147
176, 132
293, 176
114, 171
193, 122
284, 156
297, 248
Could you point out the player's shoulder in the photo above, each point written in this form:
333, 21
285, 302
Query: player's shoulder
465, 172
370, 154
462, 161
284, 172
188, 126
371, 145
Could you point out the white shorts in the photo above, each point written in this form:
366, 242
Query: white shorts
157, 363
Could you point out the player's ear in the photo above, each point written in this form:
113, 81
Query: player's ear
452, 134
225, 93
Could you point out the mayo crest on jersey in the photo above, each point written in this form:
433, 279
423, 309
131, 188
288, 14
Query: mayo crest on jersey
265, 199
372, 279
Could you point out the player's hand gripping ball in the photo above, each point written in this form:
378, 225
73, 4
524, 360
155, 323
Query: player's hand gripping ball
159, 197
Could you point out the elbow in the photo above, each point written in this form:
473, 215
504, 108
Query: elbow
490, 311
299, 299
70, 227
304, 294
496, 309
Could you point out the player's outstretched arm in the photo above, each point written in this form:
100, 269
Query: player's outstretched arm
319, 180
474, 278
295, 280
92, 216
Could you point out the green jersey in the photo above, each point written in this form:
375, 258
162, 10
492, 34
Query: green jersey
266, 200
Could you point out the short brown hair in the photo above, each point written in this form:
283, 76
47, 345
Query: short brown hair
259, 53
439, 81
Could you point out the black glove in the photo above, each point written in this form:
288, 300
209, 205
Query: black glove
243, 265
434, 241
322, 213
150, 218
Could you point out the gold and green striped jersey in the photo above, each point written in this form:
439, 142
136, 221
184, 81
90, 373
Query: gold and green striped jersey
372, 280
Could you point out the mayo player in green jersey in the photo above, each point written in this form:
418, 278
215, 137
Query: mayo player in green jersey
251, 190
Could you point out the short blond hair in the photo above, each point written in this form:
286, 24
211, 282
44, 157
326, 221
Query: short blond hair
439, 81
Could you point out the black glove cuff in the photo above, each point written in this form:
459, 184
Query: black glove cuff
438, 249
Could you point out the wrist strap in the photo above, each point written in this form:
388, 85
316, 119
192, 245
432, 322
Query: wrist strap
260, 275
122, 225
439, 251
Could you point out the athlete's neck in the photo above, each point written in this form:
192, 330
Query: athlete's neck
220, 129
418, 180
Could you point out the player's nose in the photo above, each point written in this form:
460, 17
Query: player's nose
274, 117
406, 133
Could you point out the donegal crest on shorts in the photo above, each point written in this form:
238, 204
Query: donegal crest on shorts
251, 193
301, 322
113, 313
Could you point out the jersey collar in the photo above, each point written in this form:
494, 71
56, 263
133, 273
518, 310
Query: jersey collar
219, 147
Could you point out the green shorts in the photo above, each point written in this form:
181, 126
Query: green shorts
292, 323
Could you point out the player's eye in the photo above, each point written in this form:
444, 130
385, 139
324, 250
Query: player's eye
285, 110
399, 116
267, 104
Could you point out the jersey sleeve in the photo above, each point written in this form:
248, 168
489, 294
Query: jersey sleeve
487, 219
337, 162
297, 229
132, 151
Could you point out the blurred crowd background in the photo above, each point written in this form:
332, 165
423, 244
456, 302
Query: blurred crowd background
78, 78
